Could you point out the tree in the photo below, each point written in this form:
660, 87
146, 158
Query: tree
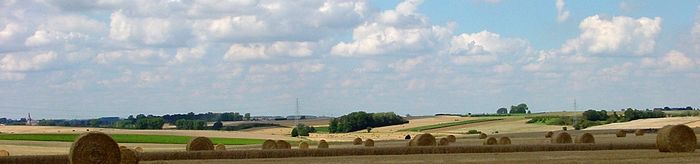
502, 111
302, 130
247, 116
361, 120
217, 125
94, 123
520, 108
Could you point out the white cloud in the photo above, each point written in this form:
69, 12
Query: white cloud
368, 66
148, 30
241, 52
562, 14
616, 35
406, 65
188, 54
138, 56
671, 61
503, 68
484, 47
394, 32
12, 63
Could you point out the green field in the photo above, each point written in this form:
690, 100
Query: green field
443, 125
323, 129
129, 138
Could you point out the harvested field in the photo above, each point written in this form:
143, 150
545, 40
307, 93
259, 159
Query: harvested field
651, 123
192, 133
603, 156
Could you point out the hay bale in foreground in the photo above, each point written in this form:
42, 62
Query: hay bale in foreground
199, 144
504, 141
269, 144
282, 144
639, 132
621, 133
452, 138
425, 139
4, 153
357, 141
369, 143
443, 142
138, 149
562, 138
410, 142
322, 144
490, 141
303, 145
585, 138
128, 156
220, 147
549, 134
676, 138
482, 135
94, 147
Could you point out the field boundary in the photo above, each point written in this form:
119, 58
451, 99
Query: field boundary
287, 153
448, 124
130, 138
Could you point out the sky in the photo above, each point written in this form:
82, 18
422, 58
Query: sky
93, 58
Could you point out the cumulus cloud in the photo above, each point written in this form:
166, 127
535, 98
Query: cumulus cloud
406, 65
14, 63
562, 13
397, 31
671, 61
618, 34
241, 52
484, 47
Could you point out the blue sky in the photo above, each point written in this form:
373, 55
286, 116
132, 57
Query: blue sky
84, 59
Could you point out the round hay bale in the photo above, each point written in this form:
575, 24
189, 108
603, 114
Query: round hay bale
94, 147
676, 138
303, 145
138, 149
562, 138
621, 133
220, 147
443, 142
549, 134
4, 153
425, 139
357, 141
369, 143
269, 144
490, 141
483, 135
410, 142
199, 144
585, 138
322, 144
128, 156
282, 144
452, 138
639, 132
504, 141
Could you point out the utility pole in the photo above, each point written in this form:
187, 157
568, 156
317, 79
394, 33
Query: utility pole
297, 117
575, 113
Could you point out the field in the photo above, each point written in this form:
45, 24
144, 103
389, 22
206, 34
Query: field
31, 140
128, 138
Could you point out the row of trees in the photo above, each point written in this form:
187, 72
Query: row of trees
515, 109
209, 116
191, 124
363, 120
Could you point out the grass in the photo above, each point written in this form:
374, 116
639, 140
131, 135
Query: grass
129, 138
443, 125
322, 129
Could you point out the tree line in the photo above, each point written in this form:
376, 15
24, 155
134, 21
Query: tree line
363, 120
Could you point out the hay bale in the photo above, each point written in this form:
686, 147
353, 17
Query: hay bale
220, 147
585, 138
490, 141
549, 134
269, 144
482, 135
562, 138
4, 153
639, 132
443, 142
94, 147
676, 138
452, 138
504, 141
410, 142
322, 144
138, 149
425, 139
303, 145
369, 143
621, 133
282, 144
357, 141
128, 156
199, 144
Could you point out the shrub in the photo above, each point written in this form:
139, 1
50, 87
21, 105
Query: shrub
473, 132
302, 130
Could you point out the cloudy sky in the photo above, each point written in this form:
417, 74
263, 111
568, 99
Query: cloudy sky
91, 58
